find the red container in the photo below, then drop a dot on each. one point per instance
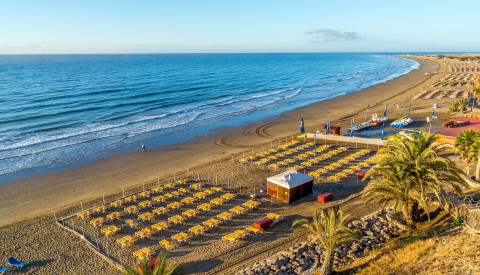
(324, 197)
(361, 174)
(263, 223)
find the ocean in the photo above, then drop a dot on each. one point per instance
(59, 110)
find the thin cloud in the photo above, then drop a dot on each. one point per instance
(321, 35)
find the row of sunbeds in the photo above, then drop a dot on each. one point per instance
(241, 234)
(312, 161)
(134, 198)
(157, 211)
(173, 220)
(196, 230)
(270, 151)
(352, 169)
(290, 156)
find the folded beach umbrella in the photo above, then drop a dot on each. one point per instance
(302, 126)
(328, 126)
(383, 128)
(351, 128)
(433, 109)
(409, 107)
(385, 112)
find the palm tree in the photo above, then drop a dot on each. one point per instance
(160, 267)
(408, 168)
(454, 107)
(331, 229)
(464, 142)
(462, 104)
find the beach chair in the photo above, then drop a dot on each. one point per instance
(97, 222)
(159, 198)
(241, 233)
(253, 229)
(177, 238)
(16, 263)
(148, 232)
(122, 241)
(147, 251)
(228, 238)
(131, 223)
(200, 229)
(131, 209)
(85, 214)
(275, 217)
(166, 244)
(233, 237)
(4, 269)
(156, 227)
(140, 234)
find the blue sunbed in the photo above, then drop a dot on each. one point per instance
(14, 262)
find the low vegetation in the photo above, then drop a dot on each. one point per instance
(160, 267)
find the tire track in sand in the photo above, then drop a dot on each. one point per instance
(228, 141)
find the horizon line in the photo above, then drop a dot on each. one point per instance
(154, 53)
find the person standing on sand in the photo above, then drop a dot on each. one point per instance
(143, 147)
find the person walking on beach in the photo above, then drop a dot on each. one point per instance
(143, 147)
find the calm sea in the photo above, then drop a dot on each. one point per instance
(64, 109)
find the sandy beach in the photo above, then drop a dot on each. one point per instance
(27, 205)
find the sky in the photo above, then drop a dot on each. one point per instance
(237, 26)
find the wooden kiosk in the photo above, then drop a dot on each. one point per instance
(290, 186)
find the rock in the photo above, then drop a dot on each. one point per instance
(299, 250)
(352, 255)
(299, 270)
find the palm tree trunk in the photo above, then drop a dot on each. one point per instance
(327, 265)
(407, 215)
(477, 171)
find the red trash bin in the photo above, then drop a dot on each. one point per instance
(324, 197)
(361, 174)
(263, 223)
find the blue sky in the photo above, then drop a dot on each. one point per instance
(117, 26)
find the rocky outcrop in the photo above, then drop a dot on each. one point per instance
(377, 228)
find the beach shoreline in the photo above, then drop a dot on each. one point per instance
(45, 193)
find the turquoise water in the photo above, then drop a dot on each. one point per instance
(64, 109)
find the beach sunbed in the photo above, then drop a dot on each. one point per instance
(253, 229)
(14, 262)
(166, 244)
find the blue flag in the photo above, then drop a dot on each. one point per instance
(351, 128)
(302, 126)
(409, 107)
(383, 128)
(385, 112)
(328, 126)
(366, 115)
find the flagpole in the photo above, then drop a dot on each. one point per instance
(366, 115)
(351, 128)
(409, 107)
(383, 127)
